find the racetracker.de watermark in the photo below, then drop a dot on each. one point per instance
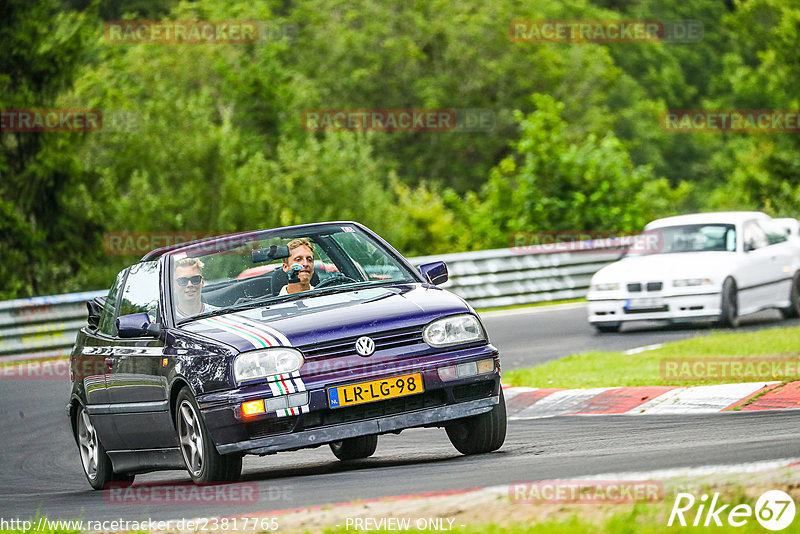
(585, 491)
(196, 31)
(61, 369)
(586, 241)
(191, 494)
(398, 120)
(139, 243)
(730, 121)
(605, 31)
(740, 369)
(51, 120)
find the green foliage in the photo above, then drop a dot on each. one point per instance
(557, 181)
(42, 230)
(208, 137)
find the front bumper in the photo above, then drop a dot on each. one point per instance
(316, 422)
(687, 307)
(320, 436)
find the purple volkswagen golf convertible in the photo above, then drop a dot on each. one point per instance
(276, 340)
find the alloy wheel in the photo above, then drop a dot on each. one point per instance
(87, 443)
(191, 437)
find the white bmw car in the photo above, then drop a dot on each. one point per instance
(709, 266)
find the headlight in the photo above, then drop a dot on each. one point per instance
(453, 331)
(604, 287)
(255, 364)
(686, 282)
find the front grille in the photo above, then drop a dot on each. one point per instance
(429, 399)
(268, 427)
(654, 286)
(347, 346)
(634, 288)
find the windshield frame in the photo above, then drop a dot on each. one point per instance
(220, 244)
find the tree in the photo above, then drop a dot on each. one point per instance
(555, 181)
(42, 232)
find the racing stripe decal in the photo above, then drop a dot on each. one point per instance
(215, 323)
(258, 329)
(262, 336)
(262, 341)
(277, 336)
(300, 386)
(277, 391)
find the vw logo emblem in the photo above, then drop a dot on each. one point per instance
(365, 346)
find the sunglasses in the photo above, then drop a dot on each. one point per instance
(184, 280)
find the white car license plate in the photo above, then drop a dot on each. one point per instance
(642, 304)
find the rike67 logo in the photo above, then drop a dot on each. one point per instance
(774, 510)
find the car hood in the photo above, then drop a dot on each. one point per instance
(330, 317)
(656, 267)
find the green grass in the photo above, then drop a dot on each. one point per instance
(601, 369)
(531, 305)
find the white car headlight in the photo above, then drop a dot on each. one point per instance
(604, 287)
(255, 364)
(453, 331)
(686, 282)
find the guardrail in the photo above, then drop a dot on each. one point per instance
(503, 277)
(45, 327)
(42, 327)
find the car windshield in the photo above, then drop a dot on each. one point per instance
(685, 238)
(264, 267)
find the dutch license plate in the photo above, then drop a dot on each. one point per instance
(387, 388)
(643, 304)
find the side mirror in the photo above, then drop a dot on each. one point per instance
(435, 273)
(749, 246)
(137, 325)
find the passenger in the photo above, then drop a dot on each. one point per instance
(301, 252)
(188, 289)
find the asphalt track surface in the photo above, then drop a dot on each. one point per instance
(41, 472)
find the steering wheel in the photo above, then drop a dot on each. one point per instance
(334, 280)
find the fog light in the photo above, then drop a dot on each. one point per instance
(463, 370)
(253, 408)
(446, 374)
(466, 369)
(276, 404)
(485, 366)
(298, 399)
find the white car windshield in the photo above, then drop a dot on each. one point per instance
(687, 238)
(272, 266)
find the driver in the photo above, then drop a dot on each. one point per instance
(188, 288)
(301, 252)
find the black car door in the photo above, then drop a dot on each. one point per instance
(93, 363)
(137, 386)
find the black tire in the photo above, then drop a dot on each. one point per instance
(355, 448)
(481, 433)
(96, 463)
(729, 308)
(204, 464)
(793, 311)
(607, 328)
